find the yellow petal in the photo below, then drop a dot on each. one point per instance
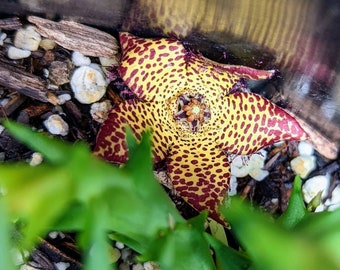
(111, 140)
(200, 174)
(154, 69)
(253, 122)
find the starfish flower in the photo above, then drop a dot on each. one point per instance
(196, 116)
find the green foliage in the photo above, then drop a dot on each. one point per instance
(74, 191)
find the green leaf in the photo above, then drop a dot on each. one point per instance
(228, 258)
(183, 247)
(323, 229)
(6, 261)
(271, 246)
(296, 209)
(37, 196)
(94, 238)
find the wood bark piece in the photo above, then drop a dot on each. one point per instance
(15, 79)
(77, 37)
(13, 104)
(323, 145)
(10, 24)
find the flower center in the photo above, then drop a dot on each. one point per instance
(192, 111)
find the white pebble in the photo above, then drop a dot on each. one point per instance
(88, 84)
(46, 72)
(47, 44)
(334, 202)
(56, 125)
(241, 166)
(36, 159)
(303, 165)
(119, 245)
(232, 189)
(63, 98)
(79, 59)
(15, 53)
(27, 38)
(258, 174)
(61, 265)
(138, 266)
(149, 266)
(305, 149)
(108, 62)
(315, 185)
(4, 101)
(53, 235)
(3, 36)
(2, 128)
(100, 110)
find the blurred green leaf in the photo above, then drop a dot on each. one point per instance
(37, 196)
(296, 209)
(6, 247)
(181, 247)
(228, 258)
(94, 239)
(271, 246)
(323, 230)
(78, 192)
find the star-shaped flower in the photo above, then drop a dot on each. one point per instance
(196, 116)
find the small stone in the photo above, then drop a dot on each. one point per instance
(109, 62)
(334, 202)
(15, 53)
(232, 189)
(258, 174)
(100, 110)
(56, 125)
(27, 38)
(88, 84)
(119, 245)
(53, 235)
(124, 266)
(150, 266)
(138, 266)
(303, 165)
(59, 72)
(79, 59)
(241, 166)
(4, 101)
(63, 98)
(62, 265)
(47, 44)
(3, 36)
(315, 185)
(36, 159)
(46, 73)
(305, 149)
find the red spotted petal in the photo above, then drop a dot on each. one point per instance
(154, 69)
(159, 68)
(218, 79)
(200, 176)
(253, 122)
(111, 140)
